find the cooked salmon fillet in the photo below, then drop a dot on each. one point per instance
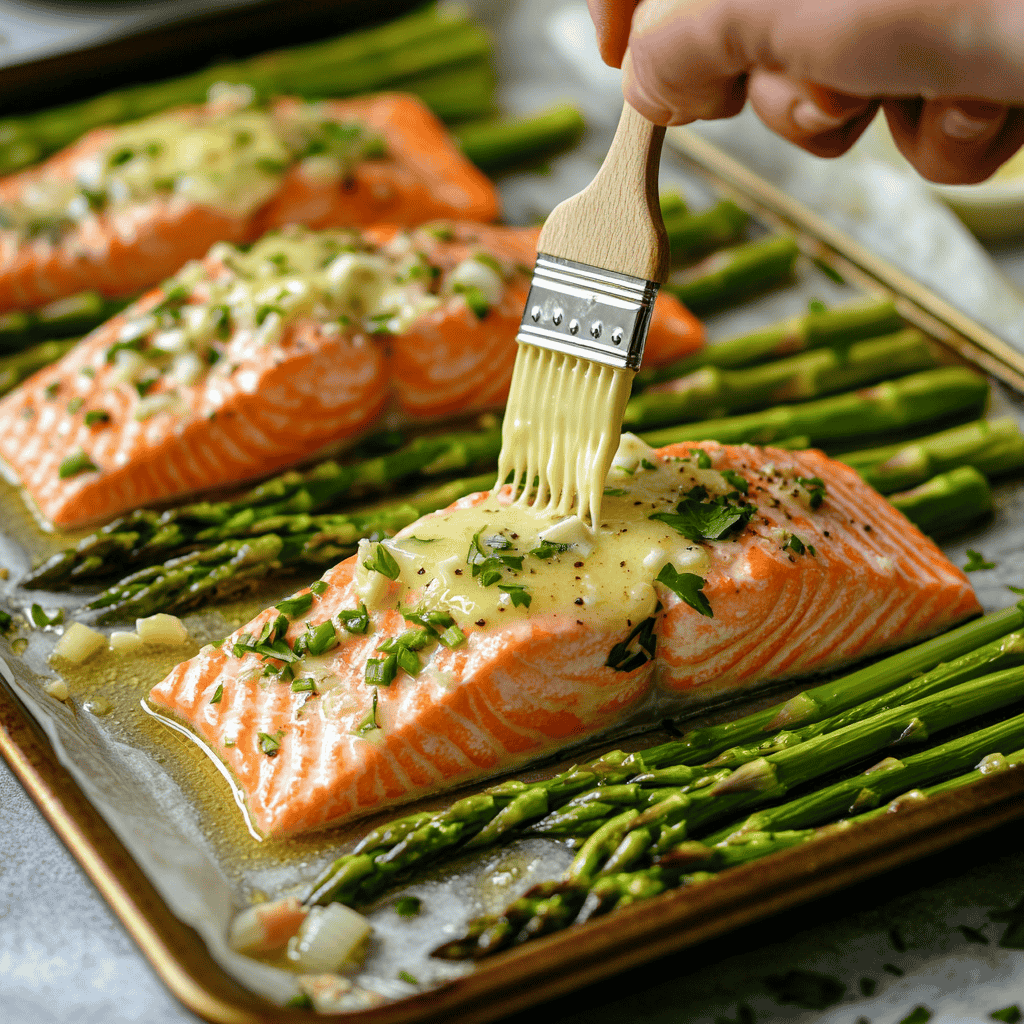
(124, 207)
(253, 360)
(608, 636)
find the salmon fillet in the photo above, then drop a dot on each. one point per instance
(332, 732)
(251, 361)
(116, 213)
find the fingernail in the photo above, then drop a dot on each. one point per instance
(809, 117)
(957, 125)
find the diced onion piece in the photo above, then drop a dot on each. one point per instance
(471, 273)
(266, 926)
(329, 937)
(164, 629)
(572, 531)
(123, 642)
(58, 689)
(79, 643)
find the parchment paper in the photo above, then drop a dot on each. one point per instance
(545, 55)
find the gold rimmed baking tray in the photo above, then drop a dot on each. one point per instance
(519, 978)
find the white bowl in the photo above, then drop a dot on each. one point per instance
(993, 210)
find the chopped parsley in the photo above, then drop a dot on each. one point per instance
(77, 462)
(636, 650)
(75, 404)
(519, 594)
(1008, 1014)
(976, 562)
(703, 459)
(475, 299)
(383, 561)
(797, 546)
(699, 519)
(734, 479)
(305, 685)
(318, 588)
(687, 586)
(408, 906)
(217, 694)
(547, 550)
(51, 390)
(5, 621)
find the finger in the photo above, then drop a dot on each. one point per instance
(955, 142)
(612, 20)
(822, 121)
(688, 55)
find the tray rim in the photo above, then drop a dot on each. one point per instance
(554, 965)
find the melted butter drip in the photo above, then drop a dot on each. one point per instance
(561, 430)
(604, 575)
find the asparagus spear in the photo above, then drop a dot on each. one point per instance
(693, 234)
(73, 315)
(993, 447)
(19, 366)
(537, 911)
(145, 536)
(265, 546)
(910, 401)
(504, 142)
(711, 391)
(815, 329)
(731, 274)
(947, 503)
(424, 41)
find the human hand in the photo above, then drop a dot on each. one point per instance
(949, 76)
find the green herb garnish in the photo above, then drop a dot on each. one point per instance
(1008, 1014)
(687, 586)
(318, 588)
(75, 404)
(217, 694)
(270, 745)
(94, 416)
(51, 390)
(381, 671)
(701, 520)
(354, 620)
(615, 492)
(77, 462)
(452, 637)
(546, 549)
(919, 1015)
(636, 650)
(703, 459)
(475, 299)
(305, 685)
(737, 481)
(519, 594)
(815, 488)
(976, 562)
(293, 606)
(41, 619)
(383, 561)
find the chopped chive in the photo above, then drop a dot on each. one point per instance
(615, 492)
(381, 671)
(5, 621)
(77, 462)
(305, 685)
(51, 390)
(703, 459)
(75, 404)
(318, 588)
(647, 464)
(795, 544)
(815, 488)
(94, 416)
(293, 606)
(452, 637)
(475, 299)
(217, 694)
(41, 619)
(737, 481)
(321, 639)
(270, 745)
(406, 976)
(408, 661)
(408, 906)
(355, 620)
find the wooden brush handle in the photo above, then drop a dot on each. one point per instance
(615, 222)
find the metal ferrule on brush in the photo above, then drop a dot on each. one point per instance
(583, 311)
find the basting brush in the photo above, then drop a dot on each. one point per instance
(602, 255)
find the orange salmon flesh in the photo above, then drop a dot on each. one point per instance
(518, 691)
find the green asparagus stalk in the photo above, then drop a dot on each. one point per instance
(882, 782)
(415, 45)
(464, 92)
(700, 745)
(693, 234)
(548, 906)
(947, 503)
(145, 537)
(731, 274)
(504, 142)
(64, 318)
(992, 447)
(266, 545)
(907, 402)
(825, 371)
(672, 204)
(815, 329)
(19, 366)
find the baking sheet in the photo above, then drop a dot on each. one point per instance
(176, 816)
